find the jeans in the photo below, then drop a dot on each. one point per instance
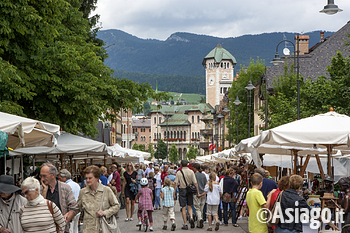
(205, 211)
(220, 211)
(157, 199)
(233, 212)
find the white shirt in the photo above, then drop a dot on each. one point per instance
(213, 198)
(75, 188)
(159, 180)
(206, 175)
(110, 177)
(148, 170)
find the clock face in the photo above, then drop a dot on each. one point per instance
(211, 80)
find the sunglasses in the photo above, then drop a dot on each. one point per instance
(28, 190)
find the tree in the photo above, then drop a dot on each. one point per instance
(192, 153)
(151, 151)
(161, 151)
(135, 146)
(142, 147)
(240, 84)
(173, 154)
(50, 70)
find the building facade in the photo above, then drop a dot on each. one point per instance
(142, 130)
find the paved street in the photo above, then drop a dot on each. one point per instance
(158, 223)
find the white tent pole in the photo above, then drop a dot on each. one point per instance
(22, 175)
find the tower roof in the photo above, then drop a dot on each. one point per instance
(219, 54)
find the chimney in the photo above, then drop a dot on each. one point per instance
(321, 36)
(303, 44)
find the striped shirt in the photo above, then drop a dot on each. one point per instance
(39, 219)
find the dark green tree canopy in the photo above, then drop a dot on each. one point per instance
(51, 72)
(173, 154)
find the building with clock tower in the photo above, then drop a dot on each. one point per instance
(219, 66)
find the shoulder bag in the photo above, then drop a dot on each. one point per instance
(269, 218)
(108, 225)
(49, 204)
(190, 188)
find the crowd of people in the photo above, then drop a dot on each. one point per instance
(53, 202)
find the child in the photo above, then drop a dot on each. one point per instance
(145, 202)
(168, 194)
(256, 201)
(213, 192)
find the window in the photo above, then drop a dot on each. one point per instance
(171, 134)
(185, 135)
(133, 130)
(181, 135)
(150, 138)
(160, 120)
(174, 134)
(124, 129)
(220, 90)
(192, 135)
(149, 129)
(155, 135)
(197, 119)
(225, 89)
(192, 119)
(155, 120)
(165, 133)
(228, 65)
(178, 134)
(160, 135)
(142, 130)
(136, 138)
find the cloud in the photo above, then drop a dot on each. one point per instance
(158, 19)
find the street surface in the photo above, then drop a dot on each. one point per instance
(158, 223)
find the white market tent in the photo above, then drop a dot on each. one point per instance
(124, 155)
(25, 132)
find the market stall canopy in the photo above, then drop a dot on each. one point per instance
(67, 144)
(127, 155)
(320, 134)
(25, 132)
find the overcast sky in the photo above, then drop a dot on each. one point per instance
(158, 19)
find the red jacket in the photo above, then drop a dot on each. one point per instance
(163, 175)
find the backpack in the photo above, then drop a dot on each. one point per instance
(151, 184)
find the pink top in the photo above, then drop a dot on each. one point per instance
(145, 199)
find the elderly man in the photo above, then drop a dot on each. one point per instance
(10, 204)
(164, 172)
(59, 193)
(65, 176)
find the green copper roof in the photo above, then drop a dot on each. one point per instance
(177, 119)
(219, 54)
(174, 109)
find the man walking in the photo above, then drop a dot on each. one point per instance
(199, 202)
(10, 204)
(186, 198)
(65, 176)
(59, 193)
(149, 169)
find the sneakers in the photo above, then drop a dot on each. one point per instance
(139, 224)
(184, 227)
(151, 229)
(209, 229)
(164, 227)
(217, 226)
(201, 225)
(192, 223)
(173, 226)
(206, 222)
(240, 217)
(221, 223)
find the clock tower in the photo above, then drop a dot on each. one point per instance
(219, 65)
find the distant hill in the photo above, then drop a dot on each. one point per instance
(181, 56)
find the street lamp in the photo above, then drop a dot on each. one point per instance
(220, 116)
(167, 138)
(277, 61)
(213, 123)
(250, 87)
(330, 8)
(227, 111)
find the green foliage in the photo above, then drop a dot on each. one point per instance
(242, 109)
(135, 147)
(151, 151)
(192, 153)
(51, 72)
(142, 147)
(315, 96)
(173, 154)
(161, 151)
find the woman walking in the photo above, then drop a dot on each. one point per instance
(90, 199)
(130, 176)
(158, 178)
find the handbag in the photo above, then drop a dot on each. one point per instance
(270, 213)
(228, 198)
(189, 188)
(49, 204)
(108, 225)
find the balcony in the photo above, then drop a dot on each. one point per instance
(206, 132)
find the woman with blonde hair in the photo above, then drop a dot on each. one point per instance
(213, 191)
(130, 176)
(92, 197)
(39, 214)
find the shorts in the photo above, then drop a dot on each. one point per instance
(184, 198)
(212, 210)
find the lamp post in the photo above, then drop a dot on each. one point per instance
(250, 87)
(330, 8)
(220, 116)
(227, 111)
(167, 139)
(277, 60)
(213, 123)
